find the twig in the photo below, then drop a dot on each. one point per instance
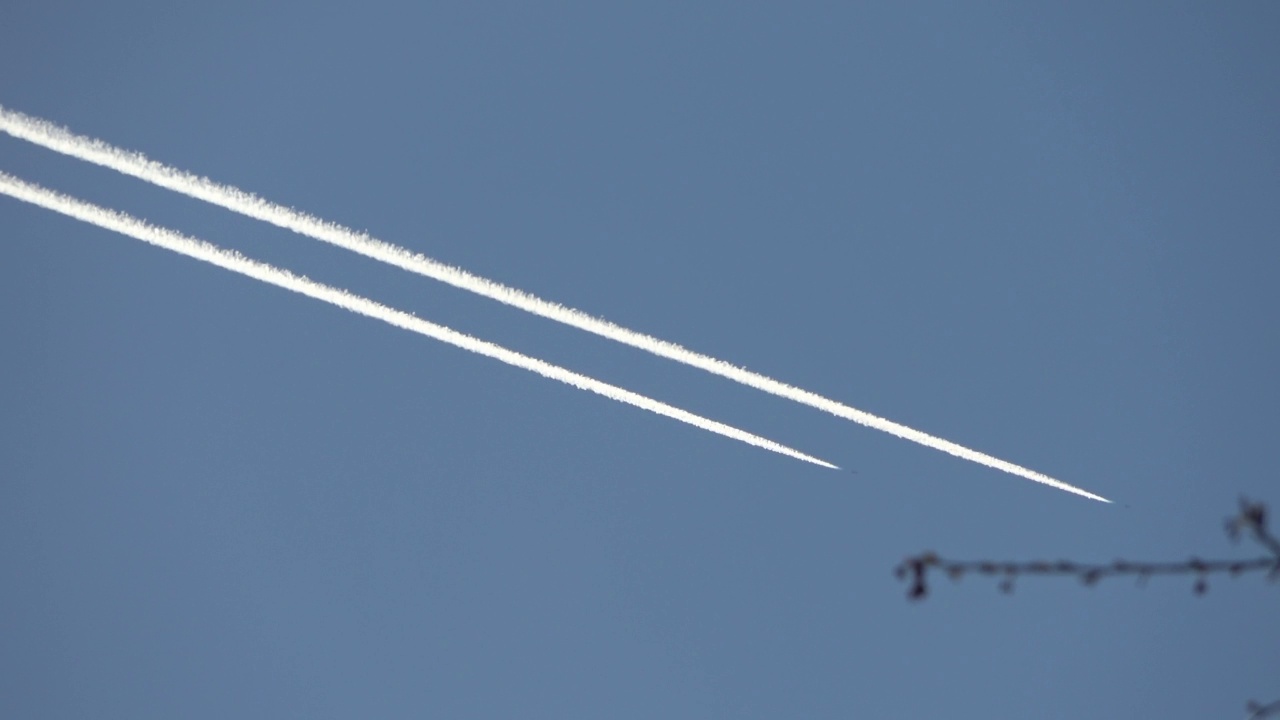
(1252, 519)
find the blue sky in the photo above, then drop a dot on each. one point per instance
(1044, 232)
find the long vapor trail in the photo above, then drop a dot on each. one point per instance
(235, 262)
(95, 151)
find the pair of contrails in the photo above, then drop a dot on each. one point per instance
(60, 140)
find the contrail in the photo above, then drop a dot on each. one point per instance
(95, 151)
(235, 262)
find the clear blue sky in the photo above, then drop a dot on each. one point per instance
(1046, 232)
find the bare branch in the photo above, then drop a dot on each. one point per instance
(1252, 520)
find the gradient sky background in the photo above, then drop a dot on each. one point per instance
(1046, 232)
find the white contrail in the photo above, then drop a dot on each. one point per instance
(235, 262)
(61, 140)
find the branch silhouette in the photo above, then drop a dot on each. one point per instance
(1251, 521)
